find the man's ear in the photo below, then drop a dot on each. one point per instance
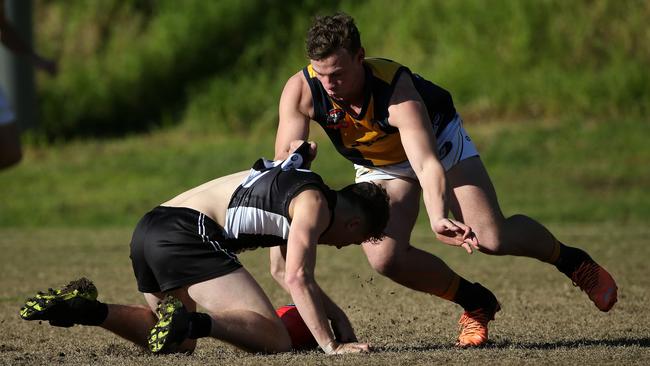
(361, 54)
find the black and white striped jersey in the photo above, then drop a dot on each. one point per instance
(258, 213)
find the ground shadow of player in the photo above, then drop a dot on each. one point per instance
(643, 342)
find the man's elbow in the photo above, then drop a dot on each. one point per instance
(297, 280)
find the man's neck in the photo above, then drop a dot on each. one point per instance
(354, 102)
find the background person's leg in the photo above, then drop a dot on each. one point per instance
(10, 147)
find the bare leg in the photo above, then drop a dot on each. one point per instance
(10, 149)
(241, 313)
(131, 322)
(474, 202)
(394, 256)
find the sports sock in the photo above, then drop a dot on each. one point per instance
(452, 289)
(87, 312)
(555, 254)
(200, 325)
(570, 259)
(472, 296)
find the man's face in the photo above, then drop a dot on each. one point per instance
(344, 236)
(341, 74)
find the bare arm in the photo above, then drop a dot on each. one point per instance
(278, 263)
(294, 111)
(343, 330)
(408, 113)
(310, 218)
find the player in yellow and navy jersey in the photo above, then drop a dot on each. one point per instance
(402, 132)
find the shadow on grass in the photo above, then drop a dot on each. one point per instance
(579, 343)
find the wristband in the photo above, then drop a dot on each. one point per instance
(329, 347)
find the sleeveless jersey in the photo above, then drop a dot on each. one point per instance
(368, 138)
(258, 213)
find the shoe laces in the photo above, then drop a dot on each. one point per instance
(586, 276)
(474, 322)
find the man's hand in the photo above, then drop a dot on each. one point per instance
(452, 232)
(311, 155)
(343, 348)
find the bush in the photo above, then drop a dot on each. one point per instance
(132, 65)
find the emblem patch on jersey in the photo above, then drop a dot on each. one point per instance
(336, 119)
(444, 150)
(437, 118)
(293, 162)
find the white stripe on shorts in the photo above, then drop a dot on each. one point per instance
(215, 244)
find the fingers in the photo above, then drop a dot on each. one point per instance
(456, 233)
(353, 348)
(472, 240)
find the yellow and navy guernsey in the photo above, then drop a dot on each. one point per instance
(368, 138)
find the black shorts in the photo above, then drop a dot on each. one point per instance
(176, 246)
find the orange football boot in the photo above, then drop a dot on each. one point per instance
(597, 283)
(474, 327)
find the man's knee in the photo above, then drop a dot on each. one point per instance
(387, 263)
(490, 239)
(500, 238)
(280, 341)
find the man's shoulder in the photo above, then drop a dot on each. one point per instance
(311, 195)
(384, 69)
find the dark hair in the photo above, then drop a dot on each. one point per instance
(372, 202)
(328, 34)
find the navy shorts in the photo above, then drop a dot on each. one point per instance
(174, 247)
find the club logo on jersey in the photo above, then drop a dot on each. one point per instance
(435, 122)
(444, 150)
(336, 119)
(293, 162)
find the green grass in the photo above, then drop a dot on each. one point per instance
(545, 320)
(570, 170)
(69, 210)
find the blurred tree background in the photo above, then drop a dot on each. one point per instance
(219, 66)
(156, 96)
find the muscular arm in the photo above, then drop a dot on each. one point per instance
(341, 325)
(294, 111)
(311, 217)
(408, 113)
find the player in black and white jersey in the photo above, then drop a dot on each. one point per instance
(184, 254)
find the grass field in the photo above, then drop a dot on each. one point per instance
(544, 318)
(68, 211)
